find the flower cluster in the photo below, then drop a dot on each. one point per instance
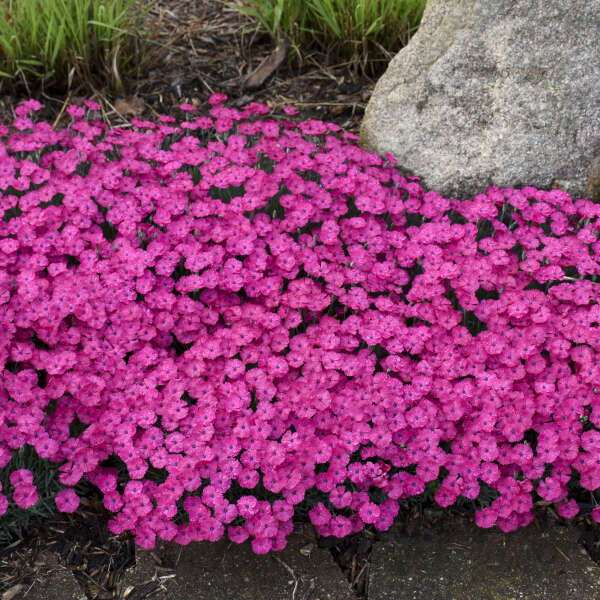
(25, 493)
(241, 301)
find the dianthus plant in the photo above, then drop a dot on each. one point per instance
(238, 301)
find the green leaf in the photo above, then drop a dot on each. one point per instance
(376, 26)
(108, 26)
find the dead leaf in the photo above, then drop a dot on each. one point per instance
(268, 66)
(131, 106)
(11, 592)
(207, 39)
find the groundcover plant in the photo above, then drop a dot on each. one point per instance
(216, 320)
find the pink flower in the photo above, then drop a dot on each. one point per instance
(217, 99)
(145, 538)
(172, 320)
(212, 529)
(3, 504)
(568, 509)
(112, 501)
(369, 512)
(23, 123)
(445, 496)
(550, 489)
(25, 496)
(319, 515)
(261, 545)
(341, 526)
(75, 112)
(237, 534)
(21, 477)
(282, 510)
(247, 506)
(509, 523)
(26, 107)
(91, 104)
(67, 501)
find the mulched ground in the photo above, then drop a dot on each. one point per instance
(210, 49)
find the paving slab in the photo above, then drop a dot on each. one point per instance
(227, 571)
(460, 561)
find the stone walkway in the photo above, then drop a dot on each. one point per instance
(228, 571)
(451, 561)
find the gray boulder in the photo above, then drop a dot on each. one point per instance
(502, 92)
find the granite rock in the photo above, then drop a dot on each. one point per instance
(500, 93)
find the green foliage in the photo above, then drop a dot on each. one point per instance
(278, 17)
(45, 477)
(56, 41)
(346, 29)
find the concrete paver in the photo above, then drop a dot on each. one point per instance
(227, 571)
(464, 562)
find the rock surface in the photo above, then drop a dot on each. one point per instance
(464, 562)
(500, 93)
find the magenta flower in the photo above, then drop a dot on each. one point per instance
(25, 496)
(26, 107)
(21, 477)
(237, 534)
(216, 99)
(67, 501)
(75, 111)
(91, 104)
(568, 509)
(261, 545)
(145, 538)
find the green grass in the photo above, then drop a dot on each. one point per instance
(356, 30)
(57, 42)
